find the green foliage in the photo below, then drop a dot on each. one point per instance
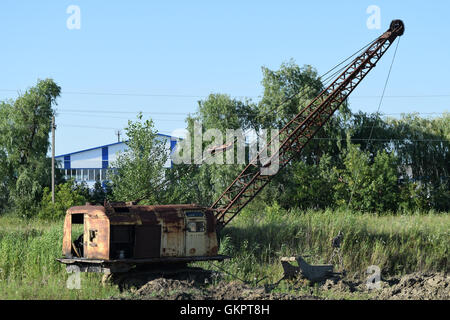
(365, 186)
(284, 85)
(403, 166)
(29, 270)
(82, 189)
(440, 196)
(25, 124)
(363, 126)
(140, 168)
(26, 193)
(100, 192)
(66, 195)
(315, 184)
(286, 92)
(219, 111)
(397, 164)
(5, 180)
(201, 183)
(423, 147)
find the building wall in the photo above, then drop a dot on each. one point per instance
(87, 159)
(91, 165)
(114, 150)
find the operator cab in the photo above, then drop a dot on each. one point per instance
(120, 231)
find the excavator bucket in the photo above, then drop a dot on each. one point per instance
(314, 273)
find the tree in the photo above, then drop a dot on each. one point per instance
(397, 162)
(100, 192)
(423, 149)
(286, 92)
(371, 133)
(66, 195)
(365, 185)
(199, 181)
(141, 167)
(315, 184)
(5, 180)
(25, 124)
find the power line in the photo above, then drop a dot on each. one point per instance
(186, 113)
(171, 95)
(98, 114)
(100, 128)
(113, 117)
(82, 126)
(379, 139)
(126, 112)
(334, 139)
(412, 112)
(408, 96)
(120, 94)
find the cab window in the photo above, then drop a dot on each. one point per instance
(196, 226)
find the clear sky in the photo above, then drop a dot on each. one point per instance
(161, 57)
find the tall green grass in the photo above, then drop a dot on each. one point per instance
(256, 240)
(28, 269)
(398, 244)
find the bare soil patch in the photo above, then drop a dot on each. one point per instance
(416, 286)
(172, 289)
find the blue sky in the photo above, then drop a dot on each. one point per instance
(162, 57)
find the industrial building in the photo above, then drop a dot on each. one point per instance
(90, 165)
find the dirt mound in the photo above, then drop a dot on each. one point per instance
(415, 286)
(238, 291)
(170, 289)
(418, 287)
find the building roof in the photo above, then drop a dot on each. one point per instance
(106, 145)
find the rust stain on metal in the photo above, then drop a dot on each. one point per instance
(111, 231)
(213, 251)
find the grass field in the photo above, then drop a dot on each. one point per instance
(398, 244)
(28, 249)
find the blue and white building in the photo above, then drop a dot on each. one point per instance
(90, 165)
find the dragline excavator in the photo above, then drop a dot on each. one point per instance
(119, 237)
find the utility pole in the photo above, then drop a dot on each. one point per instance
(53, 159)
(118, 135)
